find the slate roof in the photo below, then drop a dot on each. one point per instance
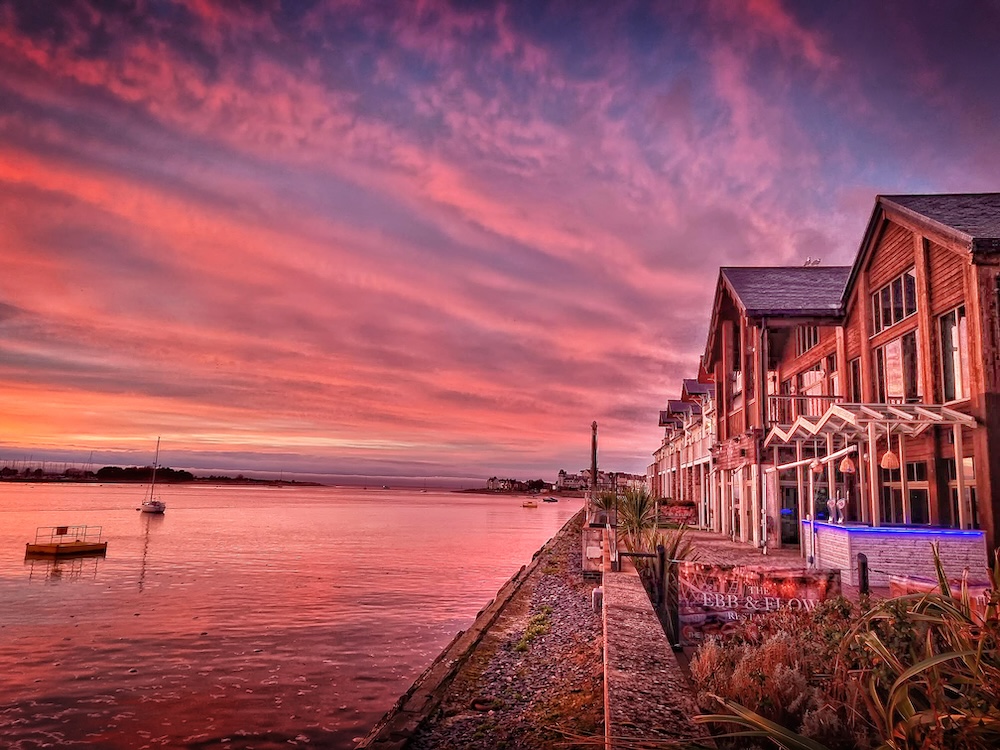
(677, 406)
(974, 215)
(696, 388)
(667, 419)
(788, 290)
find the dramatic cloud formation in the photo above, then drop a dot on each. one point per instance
(432, 239)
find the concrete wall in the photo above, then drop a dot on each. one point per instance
(647, 696)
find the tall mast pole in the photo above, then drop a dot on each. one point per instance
(593, 461)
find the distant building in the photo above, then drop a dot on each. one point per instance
(581, 480)
(682, 465)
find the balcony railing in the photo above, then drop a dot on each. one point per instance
(786, 409)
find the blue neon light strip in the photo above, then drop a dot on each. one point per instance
(925, 531)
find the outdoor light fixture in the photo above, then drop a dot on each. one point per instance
(847, 466)
(889, 460)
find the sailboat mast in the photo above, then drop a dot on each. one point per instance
(156, 460)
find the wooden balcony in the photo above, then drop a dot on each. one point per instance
(784, 410)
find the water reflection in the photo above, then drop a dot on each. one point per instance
(49, 569)
(148, 520)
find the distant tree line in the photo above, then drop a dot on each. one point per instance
(164, 474)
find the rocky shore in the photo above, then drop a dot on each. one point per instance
(536, 676)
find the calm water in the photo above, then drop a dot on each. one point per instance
(243, 617)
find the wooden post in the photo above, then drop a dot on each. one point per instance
(799, 490)
(831, 479)
(963, 519)
(924, 328)
(862, 485)
(843, 370)
(873, 475)
(864, 317)
(904, 482)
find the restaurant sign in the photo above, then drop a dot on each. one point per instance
(712, 599)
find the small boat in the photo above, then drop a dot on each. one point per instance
(529, 504)
(550, 499)
(63, 541)
(153, 504)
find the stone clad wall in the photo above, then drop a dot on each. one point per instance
(899, 552)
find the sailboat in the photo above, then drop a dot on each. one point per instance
(152, 504)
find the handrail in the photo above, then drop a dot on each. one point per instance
(785, 408)
(78, 533)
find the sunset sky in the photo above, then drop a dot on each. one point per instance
(430, 238)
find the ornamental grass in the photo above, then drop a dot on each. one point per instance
(916, 672)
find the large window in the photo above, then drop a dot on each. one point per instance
(916, 509)
(954, 355)
(855, 385)
(897, 371)
(894, 302)
(971, 504)
(806, 337)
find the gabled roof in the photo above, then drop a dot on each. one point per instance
(967, 221)
(778, 292)
(973, 218)
(676, 411)
(787, 290)
(693, 387)
(683, 407)
(669, 419)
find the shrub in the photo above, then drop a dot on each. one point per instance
(918, 671)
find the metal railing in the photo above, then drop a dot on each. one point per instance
(785, 409)
(61, 534)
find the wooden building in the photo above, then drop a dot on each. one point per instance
(682, 465)
(866, 397)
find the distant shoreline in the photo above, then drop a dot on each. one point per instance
(224, 481)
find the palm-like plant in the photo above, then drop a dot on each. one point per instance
(933, 673)
(637, 519)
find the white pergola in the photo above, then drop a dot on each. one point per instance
(846, 428)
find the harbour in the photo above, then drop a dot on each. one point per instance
(247, 616)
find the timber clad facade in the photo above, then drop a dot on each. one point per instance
(820, 372)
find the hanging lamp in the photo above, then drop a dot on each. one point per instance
(847, 465)
(889, 459)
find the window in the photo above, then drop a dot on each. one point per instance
(954, 355)
(971, 504)
(810, 382)
(855, 384)
(832, 375)
(737, 360)
(806, 337)
(897, 371)
(894, 302)
(916, 509)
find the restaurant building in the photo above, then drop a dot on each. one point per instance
(857, 407)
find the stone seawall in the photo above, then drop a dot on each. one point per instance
(419, 707)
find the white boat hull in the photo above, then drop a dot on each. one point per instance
(153, 506)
